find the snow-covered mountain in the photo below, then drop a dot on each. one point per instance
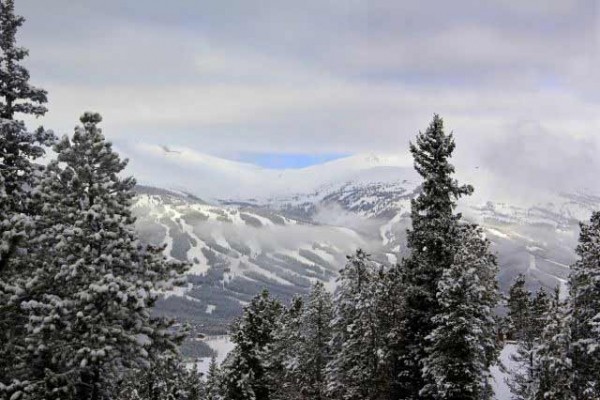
(235, 251)
(297, 226)
(215, 178)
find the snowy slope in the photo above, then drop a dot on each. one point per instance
(221, 345)
(215, 178)
(235, 251)
(284, 229)
(238, 248)
(501, 372)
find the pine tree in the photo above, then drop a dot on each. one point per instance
(389, 294)
(91, 297)
(354, 371)
(519, 307)
(552, 354)
(528, 318)
(212, 387)
(523, 381)
(166, 378)
(463, 344)
(539, 309)
(584, 310)
(283, 361)
(245, 374)
(193, 386)
(18, 147)
(19, 150)
(313, 351)
(432, 244)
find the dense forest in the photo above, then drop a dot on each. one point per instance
(77, 287)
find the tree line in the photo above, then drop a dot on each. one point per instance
(77, 289)
(425, 328)
(558, 339)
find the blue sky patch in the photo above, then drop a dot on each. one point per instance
(288, 160)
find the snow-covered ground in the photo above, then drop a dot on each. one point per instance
(221, 345)
(500, 386)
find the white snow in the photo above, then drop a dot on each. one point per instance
(200, 267)
(324, 255)
(231, 179)
(221, 345)
(295, 255)
(499, 383)
(496, 232)
(386, 230)
(392, 258)
(533, 249)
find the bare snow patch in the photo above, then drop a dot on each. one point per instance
(501, 375)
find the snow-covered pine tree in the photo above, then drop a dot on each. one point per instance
(19, 150)
(584, 311)
(552, 354)
(354, 371)
(523, 381)
(539, 308)
(389, 294)
(166, 378)
(528, 318)
(212, 386)
(245, 370)
(463, 344)
(432, 244)
(193, 386)
(282, 361)
(91, 297)
(519, 308)
(313, 350)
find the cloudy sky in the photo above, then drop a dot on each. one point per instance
(290, 83)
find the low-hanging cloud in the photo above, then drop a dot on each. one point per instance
(536, 159)
(331, 77)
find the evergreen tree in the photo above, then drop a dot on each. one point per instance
(523, 381)
(463, 344)
(519, 307)
(19, 149)
(540, 304)
(245, 375)
(552, 354)
(91, 295)
(313, 350)
(432, 244)
(212, 387)
(354, 371)
(166, 378)
(390, 297)
(192, 387)
(283, 360)
(528, 317)
(584, 284)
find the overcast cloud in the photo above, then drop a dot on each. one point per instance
(517, 81)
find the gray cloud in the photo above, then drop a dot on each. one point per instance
(332, 76)
(544, 160)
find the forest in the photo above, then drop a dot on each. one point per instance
(77, 288)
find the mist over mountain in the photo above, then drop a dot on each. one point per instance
(245, 227)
